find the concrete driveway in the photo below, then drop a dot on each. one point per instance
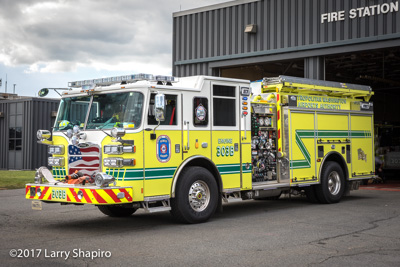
(362, 230)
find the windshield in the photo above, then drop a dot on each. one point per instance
(72, 112)
(107, 111)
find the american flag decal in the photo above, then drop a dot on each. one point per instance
(84, 159)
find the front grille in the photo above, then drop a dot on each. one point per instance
(85, 159)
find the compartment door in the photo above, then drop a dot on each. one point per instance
(302, 147)
(362, 146)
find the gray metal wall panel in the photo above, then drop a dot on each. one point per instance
(36, 115)
(3, 136)
(281, 24)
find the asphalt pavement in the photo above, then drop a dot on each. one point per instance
(362, 230)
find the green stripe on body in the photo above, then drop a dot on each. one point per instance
(228, 169)
(138, 174)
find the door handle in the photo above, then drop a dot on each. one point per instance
(187, 123)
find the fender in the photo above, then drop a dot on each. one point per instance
(188, 162)
(342, 163)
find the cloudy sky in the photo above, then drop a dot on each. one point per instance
(47, 43)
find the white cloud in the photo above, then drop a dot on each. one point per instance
(60, 36)
(48, 43)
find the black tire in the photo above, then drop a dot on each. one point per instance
(332, 186)
(311, 194)
(198, 184)
(116, 211)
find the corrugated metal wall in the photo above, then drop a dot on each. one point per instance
(3, 135)
(281, 24)
(36, 115)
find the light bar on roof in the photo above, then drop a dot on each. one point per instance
(160, 78)
(125, 78)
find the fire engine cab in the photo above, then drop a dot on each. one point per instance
(158, 143)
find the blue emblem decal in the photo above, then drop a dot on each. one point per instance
(163, 148)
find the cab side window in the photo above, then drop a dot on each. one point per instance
(224, 98)
(170, 111)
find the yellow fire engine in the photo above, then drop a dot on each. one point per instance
(159, 143)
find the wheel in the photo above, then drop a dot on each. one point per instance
(332, 186)
(116, 211)
(311, 194)
(196, 197)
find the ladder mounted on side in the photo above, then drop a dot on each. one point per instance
(288, 84)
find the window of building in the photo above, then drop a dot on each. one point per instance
(15, 138)
(170, 111)
(200, 111)
(224, 105)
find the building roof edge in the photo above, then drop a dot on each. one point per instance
(212, 7)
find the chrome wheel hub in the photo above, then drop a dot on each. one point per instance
(199, 196)
(334, 183)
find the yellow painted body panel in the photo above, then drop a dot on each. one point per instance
(362, 153)
(159, 174)
(128, 176)
(61, 172)
(303, 169)
(332, 122)
(226, 158)
(199, 137)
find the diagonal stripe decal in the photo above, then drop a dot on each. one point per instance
(305, 134)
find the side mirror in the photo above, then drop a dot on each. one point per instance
(159, 107)
(43, 92)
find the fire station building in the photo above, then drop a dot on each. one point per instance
(350, 41)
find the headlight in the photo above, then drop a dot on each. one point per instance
(43, 134)
(118, 150)
(103, 179)
(117, 132)
(56, 150)
(118, 162)
(52, 161)
(112, 162)
(113, 150)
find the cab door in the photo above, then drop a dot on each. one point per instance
(226, 132)
(162, 150)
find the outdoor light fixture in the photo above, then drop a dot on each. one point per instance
(251, 28)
